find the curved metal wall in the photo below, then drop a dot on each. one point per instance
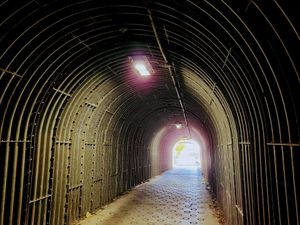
(77, 125)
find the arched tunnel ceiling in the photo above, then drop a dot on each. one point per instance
(60, 45)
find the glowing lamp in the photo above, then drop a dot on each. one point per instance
(141, 68)
(178, 125)
(141, 65)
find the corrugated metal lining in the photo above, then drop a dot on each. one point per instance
(78, 127)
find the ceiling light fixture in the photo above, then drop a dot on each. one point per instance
(141, 68)
(141, 65)
(178, 125)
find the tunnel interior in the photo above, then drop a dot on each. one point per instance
(79, 126)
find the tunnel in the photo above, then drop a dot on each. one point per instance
(80, 126)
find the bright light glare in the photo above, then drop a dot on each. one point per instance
(186, 153)
(178, 125)
(142, 69)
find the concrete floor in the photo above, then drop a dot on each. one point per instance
(176, 197)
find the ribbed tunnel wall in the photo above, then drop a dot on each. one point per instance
(79, 127)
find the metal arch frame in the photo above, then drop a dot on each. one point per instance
(247, 124)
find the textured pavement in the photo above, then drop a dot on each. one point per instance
(177, 196)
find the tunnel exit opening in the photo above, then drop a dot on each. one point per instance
(186, 153)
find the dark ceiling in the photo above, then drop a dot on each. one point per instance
(244, 51)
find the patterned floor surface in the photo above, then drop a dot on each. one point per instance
(178, 196)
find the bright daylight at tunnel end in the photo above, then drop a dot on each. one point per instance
(98, 97)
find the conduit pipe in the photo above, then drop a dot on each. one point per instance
(172, 74)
